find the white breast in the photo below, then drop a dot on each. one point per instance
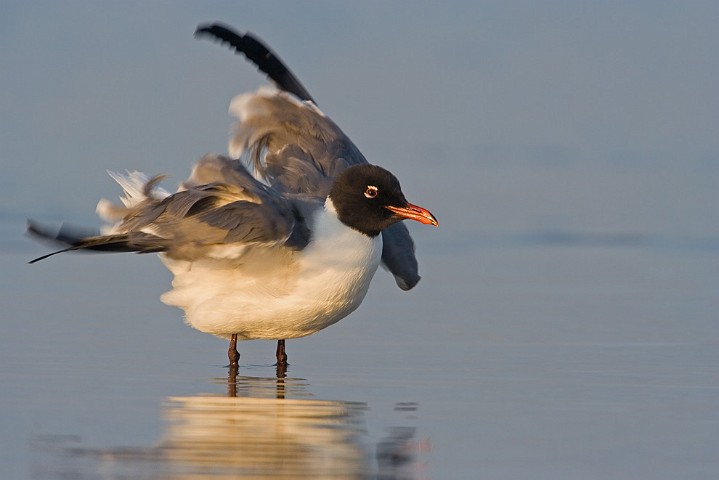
(276, 293)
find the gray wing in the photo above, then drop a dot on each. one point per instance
(296, 149)
(231, 209)
(290, 145)
(398, 256)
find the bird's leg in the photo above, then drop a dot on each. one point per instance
(281, 355)
(280, 386)
(281, 371)
(232, 381)
(232, 352)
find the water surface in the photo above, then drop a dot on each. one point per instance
(566, 324)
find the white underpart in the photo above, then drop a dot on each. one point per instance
(276, 293)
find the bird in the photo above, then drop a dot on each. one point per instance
(276, 241)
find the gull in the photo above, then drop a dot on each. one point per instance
(280, 239)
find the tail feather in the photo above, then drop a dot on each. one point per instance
(259, 54)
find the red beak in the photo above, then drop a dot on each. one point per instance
(414, 212)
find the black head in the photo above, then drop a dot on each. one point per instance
(369, 199)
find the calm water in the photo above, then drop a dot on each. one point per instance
(537, 354)
(567, 322)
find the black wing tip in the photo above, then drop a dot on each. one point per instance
(213, 29)
(257, 52)
(407, 283)
(35, 260)
(38, 231)
(220, 32)
(31, 227)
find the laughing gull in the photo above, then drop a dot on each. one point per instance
(279, 241)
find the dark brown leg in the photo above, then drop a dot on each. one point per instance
(281, 355)
(281, 374)
(232, 381)
(232, 352)
(280, 387)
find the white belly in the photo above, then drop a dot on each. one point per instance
(275, 293)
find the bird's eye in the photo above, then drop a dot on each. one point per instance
(371, 191)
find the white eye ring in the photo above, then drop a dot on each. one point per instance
(371, 191)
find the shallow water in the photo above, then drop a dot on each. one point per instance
(544, 359)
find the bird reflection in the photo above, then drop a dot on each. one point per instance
(233, 377)
(263, 437)
(264, 427)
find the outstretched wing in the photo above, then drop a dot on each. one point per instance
(296, 149)
(218, 218)
(290, 145)
(259, 54)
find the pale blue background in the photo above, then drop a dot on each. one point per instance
(566, 325)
